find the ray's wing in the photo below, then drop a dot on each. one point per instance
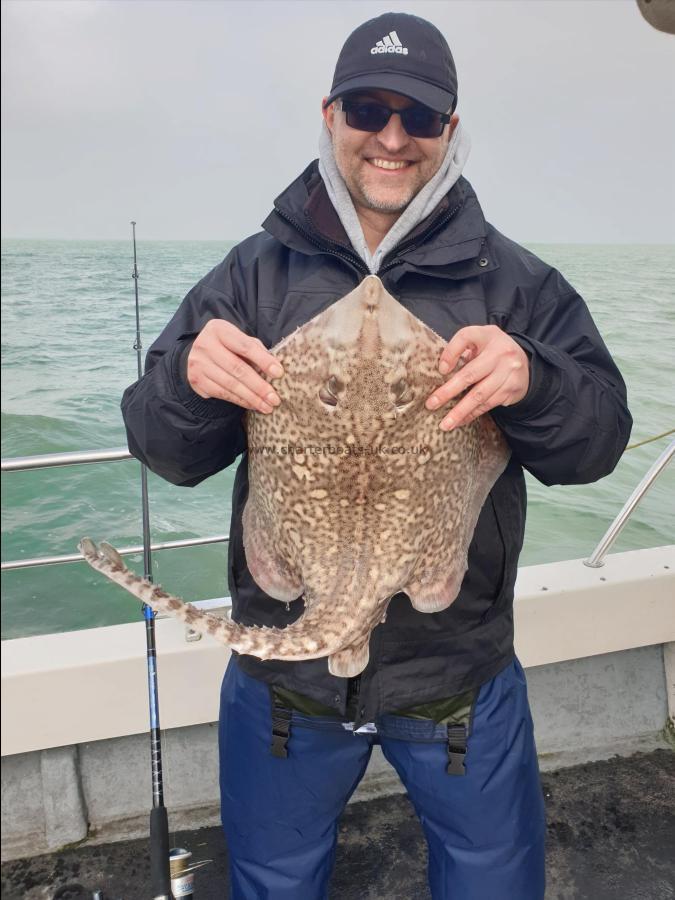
(269, 569)
(437, 585)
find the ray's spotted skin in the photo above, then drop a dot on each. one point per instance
(355, 493)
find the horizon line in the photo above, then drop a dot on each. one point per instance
(596, 243)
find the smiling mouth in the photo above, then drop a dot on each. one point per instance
(389, 165)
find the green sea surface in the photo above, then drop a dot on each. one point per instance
(67, 355)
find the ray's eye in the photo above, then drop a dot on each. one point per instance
(403, 393)
(326, 397)
(328, 394)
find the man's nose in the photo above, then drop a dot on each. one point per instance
(393, 136)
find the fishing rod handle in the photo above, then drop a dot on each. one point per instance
(160, 875)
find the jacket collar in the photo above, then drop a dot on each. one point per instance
(304, 219)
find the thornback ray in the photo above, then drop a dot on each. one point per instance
(355, 493)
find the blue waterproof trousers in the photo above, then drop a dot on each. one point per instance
(485, 829)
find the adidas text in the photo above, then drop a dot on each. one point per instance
(390, 43)
(380, 49)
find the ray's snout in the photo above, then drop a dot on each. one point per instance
(372, 303)
(372, 292)
(366, 320)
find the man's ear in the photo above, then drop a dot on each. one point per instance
(454, 121)
(328, 113)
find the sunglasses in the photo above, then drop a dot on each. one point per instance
(418, 121)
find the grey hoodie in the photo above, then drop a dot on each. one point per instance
(419, 207)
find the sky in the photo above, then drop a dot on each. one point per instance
(191, 117)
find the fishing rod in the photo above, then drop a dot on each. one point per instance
(160, 876)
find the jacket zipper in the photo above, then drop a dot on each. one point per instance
(412, 246)
(323, 245)
(353, 694)
(356, 260)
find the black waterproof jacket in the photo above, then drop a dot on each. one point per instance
(453, 270)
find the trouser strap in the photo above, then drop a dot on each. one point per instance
(456, 749)
(281, 727)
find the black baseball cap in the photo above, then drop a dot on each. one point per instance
(401, 53)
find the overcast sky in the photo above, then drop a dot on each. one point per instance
(191, 117)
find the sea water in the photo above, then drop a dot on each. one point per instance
(67, 353)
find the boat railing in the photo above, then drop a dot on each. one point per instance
(86, 457)
(596, 559)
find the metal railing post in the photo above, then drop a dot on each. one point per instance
(595, 560)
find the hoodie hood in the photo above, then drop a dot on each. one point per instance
(424, 202)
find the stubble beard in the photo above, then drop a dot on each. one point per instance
(363, 195)
(370, 201)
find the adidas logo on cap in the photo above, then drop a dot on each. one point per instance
(390, 43)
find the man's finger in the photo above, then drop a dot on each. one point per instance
(472, 338)
(479, 400)
(251, 349)
(237, 368)
(509, 392)
(234, 374)
(476, 370)
(211, 389)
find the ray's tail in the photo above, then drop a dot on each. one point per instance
(301, 640)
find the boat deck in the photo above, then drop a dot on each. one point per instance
(611, 833)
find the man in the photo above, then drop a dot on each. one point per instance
(443, 693)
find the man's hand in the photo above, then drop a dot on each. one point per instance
(495, 373)
(218, 366)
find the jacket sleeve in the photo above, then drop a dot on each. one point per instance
(175, 432)
(573, 424)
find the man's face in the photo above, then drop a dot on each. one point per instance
(360, 155)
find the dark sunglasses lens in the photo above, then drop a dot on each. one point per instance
(366, 116)
(419, 121)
